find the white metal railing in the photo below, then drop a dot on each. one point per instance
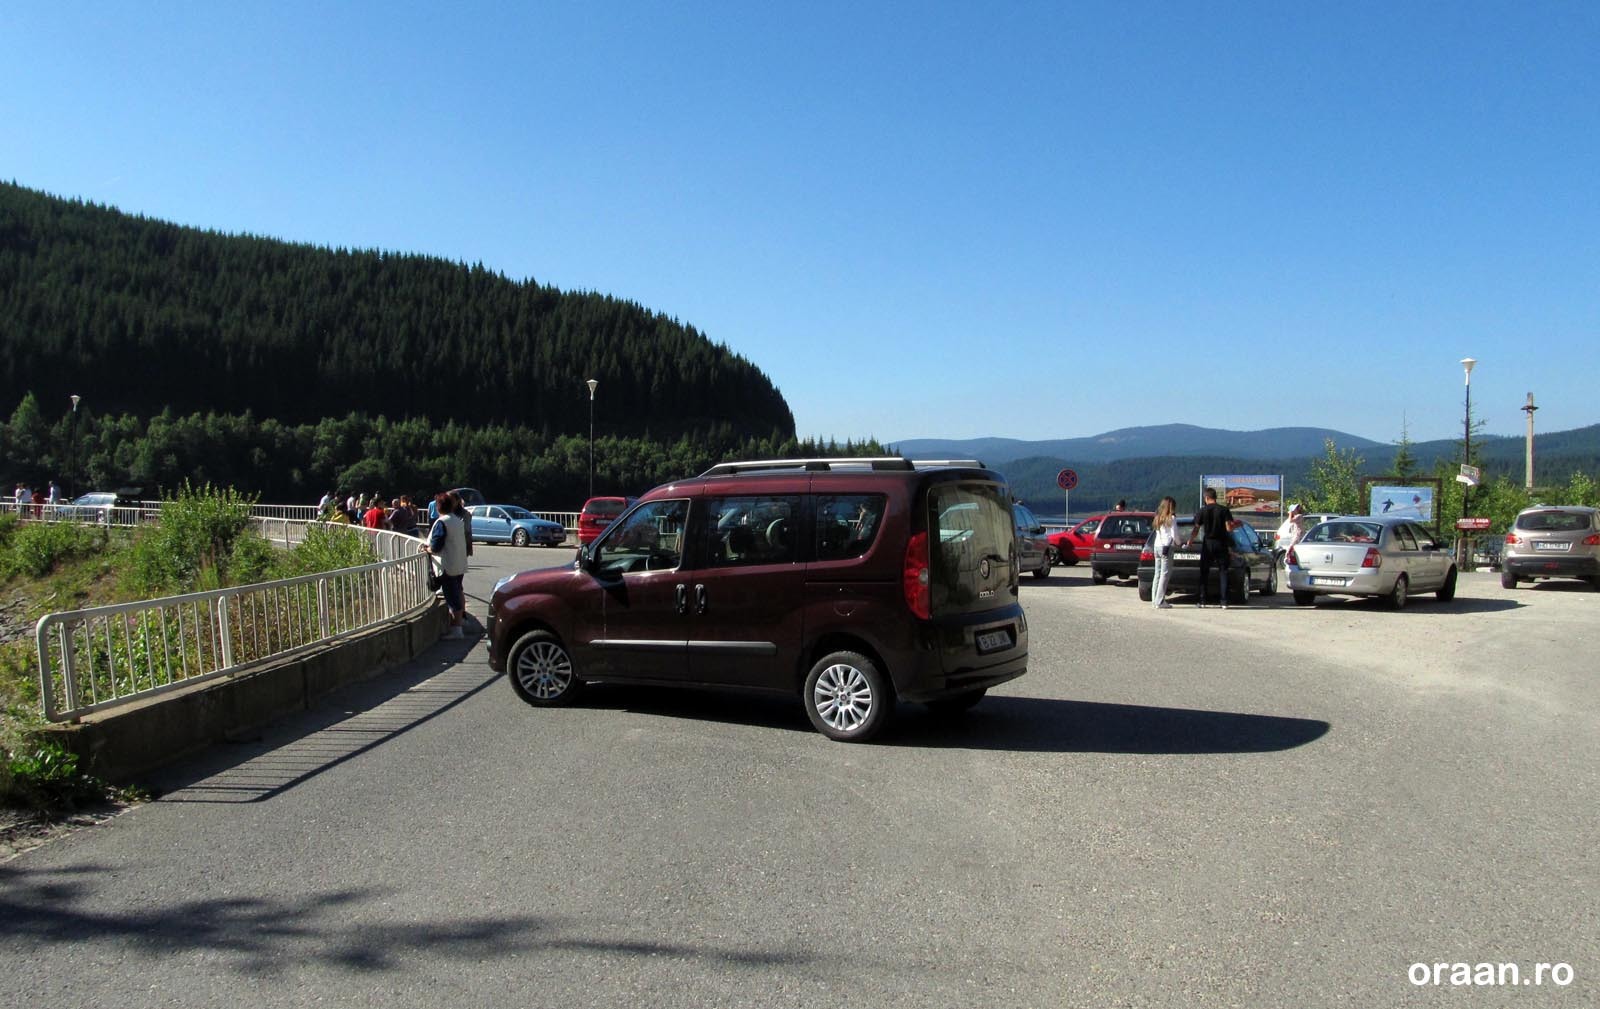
(104, 656)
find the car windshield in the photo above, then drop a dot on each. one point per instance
(1345, 531)
(1555, 522)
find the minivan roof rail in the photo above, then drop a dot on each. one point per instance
(824, 465)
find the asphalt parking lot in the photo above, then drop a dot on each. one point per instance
(1269, 805)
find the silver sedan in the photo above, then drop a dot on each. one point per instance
(1373, 555)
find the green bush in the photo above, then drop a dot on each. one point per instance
(36, 548)
(326, 548)
(192, 544)
(43, 774)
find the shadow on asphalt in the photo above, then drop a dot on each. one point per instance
(268, 936)
(346, 724)
(1019, 724)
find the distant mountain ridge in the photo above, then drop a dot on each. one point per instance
(1142, 464)
(1142, 442)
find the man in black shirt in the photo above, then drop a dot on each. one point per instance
(1213, 527)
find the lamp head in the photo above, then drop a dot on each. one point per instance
(591, 384)
(74, 401)
(1467, 363)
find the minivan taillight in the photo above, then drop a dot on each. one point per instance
(1146, 557)
(916, 577)
(1373, 559)
(1512, 540)
(1592, 540)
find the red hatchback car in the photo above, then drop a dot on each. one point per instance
(597, 513)
(1117, 545)
(1074, 545)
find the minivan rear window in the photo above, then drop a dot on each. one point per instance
(969, 523)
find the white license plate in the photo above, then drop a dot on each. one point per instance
(1552, 546)
(1128, 546)
(1186, 557)
(1330, 581)
(993, 641)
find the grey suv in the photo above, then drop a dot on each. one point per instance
(1552, 542)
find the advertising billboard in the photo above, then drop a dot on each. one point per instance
(1404, 501)
(1247, 495)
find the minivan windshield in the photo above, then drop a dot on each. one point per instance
(969, 524)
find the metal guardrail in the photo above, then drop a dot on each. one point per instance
(104, 656)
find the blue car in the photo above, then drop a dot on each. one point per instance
(493, 523)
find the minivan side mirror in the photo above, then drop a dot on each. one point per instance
(585, 561)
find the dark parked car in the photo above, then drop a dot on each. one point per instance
(1073, 545)
(852, 583)
(1117, 544)
(1034, 552)
(1253, 567)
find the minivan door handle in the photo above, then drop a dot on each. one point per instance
(699, 598)
(683, 598)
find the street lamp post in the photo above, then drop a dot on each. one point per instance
(591, 383)
(72, 445)
(1466, 460)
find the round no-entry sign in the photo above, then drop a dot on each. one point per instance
(1067, 479)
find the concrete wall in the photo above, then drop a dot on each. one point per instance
(123, 744)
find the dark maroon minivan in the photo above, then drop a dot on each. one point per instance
(853, 583)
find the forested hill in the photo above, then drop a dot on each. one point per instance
(139, 315)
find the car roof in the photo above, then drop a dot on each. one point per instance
(1560, 508)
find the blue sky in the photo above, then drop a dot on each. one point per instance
(921, 220)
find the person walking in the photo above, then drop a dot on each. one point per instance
(1289, 533)
(1166, 541)
(447, 545)
(1213, 527)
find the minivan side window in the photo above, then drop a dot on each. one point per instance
(649, 539)
(741, 531)
(847, 524)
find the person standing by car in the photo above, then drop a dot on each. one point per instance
(1213, 527)
(447, 544)
(1166, 541)
(1289, 533)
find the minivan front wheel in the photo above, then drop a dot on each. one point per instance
(847, 698)
(540, 669)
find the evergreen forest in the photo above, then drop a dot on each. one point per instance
(139, 316)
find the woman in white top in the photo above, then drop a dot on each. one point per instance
(1166, 529)
(1289, 533)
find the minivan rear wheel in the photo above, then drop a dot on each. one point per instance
(1507, 579)
(540, 670)
(847, 698)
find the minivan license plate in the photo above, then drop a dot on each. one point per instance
(993, 641)
(1552, 546)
